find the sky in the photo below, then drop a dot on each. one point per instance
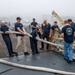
(36, 7)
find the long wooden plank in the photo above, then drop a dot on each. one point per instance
(47, 42)
(58, 17)
(36, 68)
(13, 32)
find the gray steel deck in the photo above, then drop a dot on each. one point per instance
(47, 59)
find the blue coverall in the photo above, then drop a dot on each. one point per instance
(33, 41)
(7, 39)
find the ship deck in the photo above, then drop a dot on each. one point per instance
(50, 59)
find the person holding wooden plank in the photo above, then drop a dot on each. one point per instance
(55, 32)
(33, 40)
(21, 37)
(68, 34)
(55, 28)
(7, 39)
(46, 33)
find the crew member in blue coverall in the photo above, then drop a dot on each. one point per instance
(7, 39)
(33, 41)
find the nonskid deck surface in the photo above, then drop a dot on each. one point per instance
(48, 59)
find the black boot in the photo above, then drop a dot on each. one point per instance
(26, 53)
(37, 52)
(69, 61)
(11, 55)
(74, 60)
